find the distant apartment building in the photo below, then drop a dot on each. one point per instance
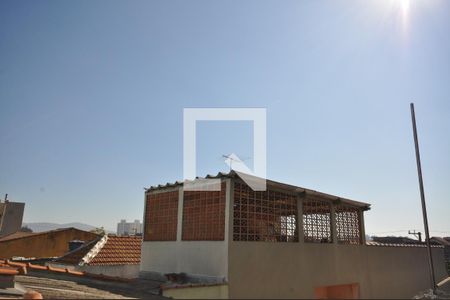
(129, 228)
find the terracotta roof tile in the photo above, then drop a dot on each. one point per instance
(119, 250)
(74, 257)
(8, 267)
(8, 271)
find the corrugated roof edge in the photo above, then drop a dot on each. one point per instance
(378, 244)
(296, 189)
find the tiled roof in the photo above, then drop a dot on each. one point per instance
(74, 257)
(297, 189)
(6, 270)
(8, 267)
(176, 183)
(442, 241)
(373, 243)
(117, 250)
(395, 240)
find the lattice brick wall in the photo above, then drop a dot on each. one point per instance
(204, 215)
(264, 216)
(161, 217)
(348, 224)
(316, 221)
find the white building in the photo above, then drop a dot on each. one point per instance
(285, 242)
(131, 228)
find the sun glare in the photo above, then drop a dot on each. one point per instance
(405, 14)
(402, 7)
(405, 8)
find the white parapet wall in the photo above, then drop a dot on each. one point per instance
(122, 271)
(192, 257)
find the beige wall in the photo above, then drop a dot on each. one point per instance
(197, 292)
(46, 244)
(293, 270)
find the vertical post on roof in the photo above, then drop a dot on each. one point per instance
(333, 227)
(422, 197)
(230, 209)
(300, 233)
(180, 213)
(362, 229)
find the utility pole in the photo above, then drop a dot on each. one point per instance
(417, 234)
(422, 197)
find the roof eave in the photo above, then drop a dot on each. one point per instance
(292, 188)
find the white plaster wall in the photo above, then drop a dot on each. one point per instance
(193, 257)
(122, 271)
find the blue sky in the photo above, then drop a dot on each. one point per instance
(92, 96)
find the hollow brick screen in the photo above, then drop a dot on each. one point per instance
(348, 225)
(161, 217)
(204, 215)
(264, 216)
(316, 221)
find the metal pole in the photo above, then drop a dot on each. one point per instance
(422, 197)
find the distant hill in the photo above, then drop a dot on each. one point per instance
(42, 226)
